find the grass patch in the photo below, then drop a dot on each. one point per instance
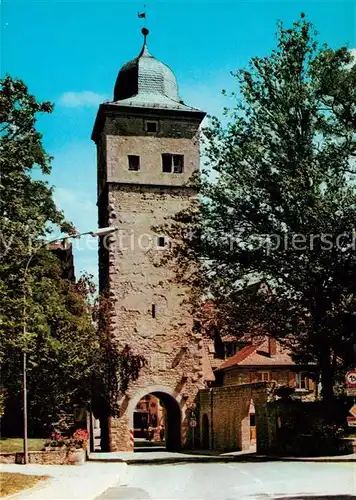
(11, 483)
(10, 445)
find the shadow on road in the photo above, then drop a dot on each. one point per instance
(315, 497)
(123, 493)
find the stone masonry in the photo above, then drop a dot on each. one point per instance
(152, 312)
(224, 416)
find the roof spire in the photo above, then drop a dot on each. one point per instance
(144, 50)
(145, 32)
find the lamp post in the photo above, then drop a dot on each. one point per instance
(98, 233)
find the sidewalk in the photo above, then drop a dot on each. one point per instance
(70, 482)
(166, 457)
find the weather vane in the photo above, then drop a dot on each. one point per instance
(143, 14)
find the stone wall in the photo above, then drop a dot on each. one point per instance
(152, 312)
(295, 428)
(45, 457)
(150, 151)
(227, 410)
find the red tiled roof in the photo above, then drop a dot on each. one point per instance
(240, 356)
(257, 355)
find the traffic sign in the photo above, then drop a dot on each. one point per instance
(351, 421)
(192, 423)
(350, 378)
(353, 410)
(191, 413)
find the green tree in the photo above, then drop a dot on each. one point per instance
(60, 338)
(280, 207)
(67, 353)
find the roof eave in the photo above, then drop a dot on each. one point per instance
(109, 107)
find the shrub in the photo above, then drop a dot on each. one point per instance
(78, 440)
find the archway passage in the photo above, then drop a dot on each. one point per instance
(247, 429)
(157, 422)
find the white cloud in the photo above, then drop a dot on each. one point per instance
(77, 206)
(84, 99)
(207, 95)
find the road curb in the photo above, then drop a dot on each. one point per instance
(222, 459)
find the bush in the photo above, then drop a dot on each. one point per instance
(323, 430)
(78, 440)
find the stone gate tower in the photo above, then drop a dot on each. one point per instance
(147, 149)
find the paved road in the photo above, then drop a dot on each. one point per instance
(240, 481)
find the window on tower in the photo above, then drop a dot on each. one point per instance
(172, 163)
(161, 241)
(178, 164)
(151, 127)
(134, 162)
(166, 162)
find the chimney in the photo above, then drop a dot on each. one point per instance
(272, 347)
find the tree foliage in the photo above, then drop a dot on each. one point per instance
(67, 354)
(278, 204)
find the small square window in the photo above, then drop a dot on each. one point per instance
(166, 162)
(173, 163)
(153, 311)
(178, 164)
(302, 381)
(134, 162)
(263, 376)
(151, 127)
(161, 241)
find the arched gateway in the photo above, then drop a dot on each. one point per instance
(173, 414)
(148, 148)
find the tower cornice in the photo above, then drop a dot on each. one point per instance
(114, 110)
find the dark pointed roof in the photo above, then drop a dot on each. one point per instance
(147, 82)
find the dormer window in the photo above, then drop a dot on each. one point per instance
(151, 127)
(172, 163)
(230, 349)
(134, 162)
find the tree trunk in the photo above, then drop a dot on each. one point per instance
(105, 428)
(327, 384)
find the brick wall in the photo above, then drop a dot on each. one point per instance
(227, 409)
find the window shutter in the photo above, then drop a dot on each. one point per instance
(291, 379)
(178, 164)
(253, 377)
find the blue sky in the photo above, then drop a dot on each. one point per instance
(69, 52)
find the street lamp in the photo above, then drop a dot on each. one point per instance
(98, 233)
